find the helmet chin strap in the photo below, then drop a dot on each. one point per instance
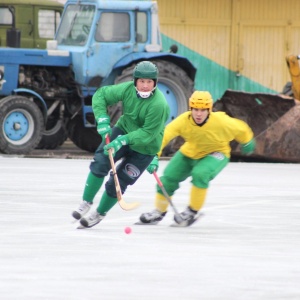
(144, 95)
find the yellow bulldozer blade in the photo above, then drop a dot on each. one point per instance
(274, 119)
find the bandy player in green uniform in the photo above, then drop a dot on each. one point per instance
(202, 157)
(135, 139)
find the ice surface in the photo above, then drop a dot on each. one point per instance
(247, 245)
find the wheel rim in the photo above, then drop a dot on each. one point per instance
(18, 127)
(172, 92)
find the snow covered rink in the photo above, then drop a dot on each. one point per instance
(246, 246)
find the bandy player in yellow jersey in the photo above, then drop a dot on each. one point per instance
(204, 154)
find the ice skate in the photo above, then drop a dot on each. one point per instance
(152, 218)
(186, 218)
(83, 208)
(93, 219)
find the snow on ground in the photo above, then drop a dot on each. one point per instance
(247, 245)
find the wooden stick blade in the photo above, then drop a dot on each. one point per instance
(128, 205)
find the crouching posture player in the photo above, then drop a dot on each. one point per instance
(136, 138)
(202, 157)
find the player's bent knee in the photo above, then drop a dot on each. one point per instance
(201, 179)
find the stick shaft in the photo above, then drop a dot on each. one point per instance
(124, 205)
(166, 194)
(113, 167)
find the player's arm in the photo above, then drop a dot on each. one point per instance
(245, 137)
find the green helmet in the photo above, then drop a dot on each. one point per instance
(145, 69)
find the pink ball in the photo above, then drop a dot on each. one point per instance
(127, 230)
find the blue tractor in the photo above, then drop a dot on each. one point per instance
(45, 95)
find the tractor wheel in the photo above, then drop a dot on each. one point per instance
(54, 135)
(21, 123)
(85, 138)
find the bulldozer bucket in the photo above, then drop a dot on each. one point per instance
(274, 119)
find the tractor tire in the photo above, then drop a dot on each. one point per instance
(54, 136)
(21, 123)
(85, 138)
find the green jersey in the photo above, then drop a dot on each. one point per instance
(143, 120)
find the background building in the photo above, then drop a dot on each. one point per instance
(235, 44)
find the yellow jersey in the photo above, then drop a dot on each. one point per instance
(214, 135)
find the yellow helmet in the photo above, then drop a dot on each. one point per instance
(201, 100)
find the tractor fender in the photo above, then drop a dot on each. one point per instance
(178, 60)
(37, 96)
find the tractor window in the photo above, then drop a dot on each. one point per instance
(113, 27)
(141, 27)
(6, 17)
(48, 23)
(75, 25)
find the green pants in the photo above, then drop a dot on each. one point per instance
(201, 170)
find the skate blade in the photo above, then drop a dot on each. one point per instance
(81, 227)
(182, 224)
(147, 224)
(187, 224)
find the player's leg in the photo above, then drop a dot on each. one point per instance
(177, 170)
(205, 170)
(128, 171)
(99, 168)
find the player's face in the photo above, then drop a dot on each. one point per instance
(199, 115)
(145, 85)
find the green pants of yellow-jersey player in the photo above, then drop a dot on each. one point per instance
(201, 171)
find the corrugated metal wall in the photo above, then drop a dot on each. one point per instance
(248, 38)
(203, 26)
